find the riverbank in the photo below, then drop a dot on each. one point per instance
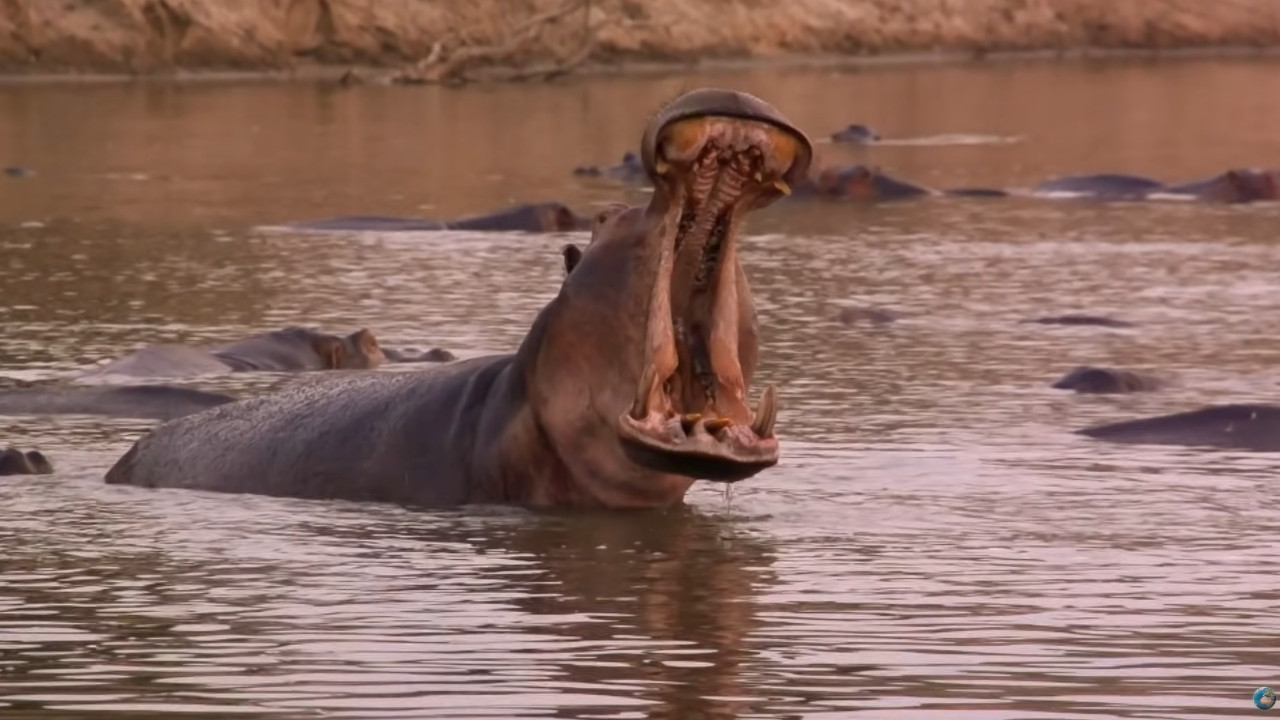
(478, 40)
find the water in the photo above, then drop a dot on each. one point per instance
(935, 544)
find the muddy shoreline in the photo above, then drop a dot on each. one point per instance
(373, 74)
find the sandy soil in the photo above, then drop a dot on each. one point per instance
(442, 40)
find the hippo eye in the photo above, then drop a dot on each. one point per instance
(608, 213)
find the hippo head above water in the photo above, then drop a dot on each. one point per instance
(654, 329)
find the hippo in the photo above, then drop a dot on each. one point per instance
(289, 349)
(855, 135)
(1104, 186)
(630, 170)
(1077, 319)
(546, 217)
(861, 183)
(1232, 186)
(1089, 379)
(1232, 427)
(151, 402)
(874, 316)
(631, 384)
(31, 462)
(410, 355)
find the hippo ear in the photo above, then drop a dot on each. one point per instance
(572, 256)
(365, 340)
(330, 351)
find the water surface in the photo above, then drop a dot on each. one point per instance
(935, 544)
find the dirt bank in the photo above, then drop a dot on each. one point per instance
(442, 39)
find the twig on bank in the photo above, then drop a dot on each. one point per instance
(466, 63)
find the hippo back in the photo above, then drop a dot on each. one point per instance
(160, 361)
(293, 348)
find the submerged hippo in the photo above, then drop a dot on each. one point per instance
(1232, 186)
(861, 183)
(872, 315)
(1089, 379)
(1076, 320)
(152, 402)
(411, 355)
(31, 462)
(1102, 186)
(630, 170)
(632, 383)
(855, 134)
(1235, 427)
(288, 349)
(530, 217)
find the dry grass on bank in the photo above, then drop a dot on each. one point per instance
(438, 40)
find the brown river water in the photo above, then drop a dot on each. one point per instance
(935, 544)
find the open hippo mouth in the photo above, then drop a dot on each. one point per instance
(713, 156)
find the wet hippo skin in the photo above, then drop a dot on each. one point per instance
(1089, 379)
(630, 170)
(156, 402)
(632, 383)
(862, 183)
(291, 349)
(31, 462)
(532, 217)
(1233, 186)
(1080, 320)
(855, 134)
(1236, 426)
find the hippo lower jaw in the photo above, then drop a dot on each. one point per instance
(689, 415)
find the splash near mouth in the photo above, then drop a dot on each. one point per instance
(690, 413)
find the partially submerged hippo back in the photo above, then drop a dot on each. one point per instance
(1113, 186)
(863, 184)
(1080, 320)
(160, 361)
(629, 170)
(1236, 427)
(299, 348)
(154, 402)
(535, 217)
(1233, 186)
(31, 462)
(855, 134)
(410, 355)
(369, 223)
(872, 315)
(630, 384)
(1089, 379)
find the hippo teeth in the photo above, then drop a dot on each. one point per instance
(648, 380)
(766, 413)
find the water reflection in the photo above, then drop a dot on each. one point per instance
(935, 543)
(589, 616)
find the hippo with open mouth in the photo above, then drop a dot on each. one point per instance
(631, 384)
